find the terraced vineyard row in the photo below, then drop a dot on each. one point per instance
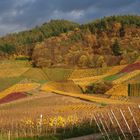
(110, 75)
(8, 82)
(83, 73)
(99, 100)
(118, 90)
(12, 72)
(127, 77)
(57, 74)
(82, 82)
(120, 87)
(36, 75)
(8, 64)
(19, 88)
(120, 120)
(65, 86)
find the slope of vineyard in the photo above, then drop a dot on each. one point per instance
(64, 86)
(36, 75)
(57, 74)
(82, 73)
(14, 64)
(121, 84)
(127, 77)
(12, 68)
(114, 77)
(135, 79)
(90, 76)
(12, 97)
(19, 88)
(115, 69)
(131, 67)
(82, 82)
(118, 90)
(100, 100)
(12, 72)
(9, 81)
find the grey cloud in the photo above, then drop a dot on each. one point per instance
(16, 15)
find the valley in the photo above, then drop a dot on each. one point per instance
(64, 80)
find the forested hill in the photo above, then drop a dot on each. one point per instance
(104, 23)
(23, 42)
(104, 42)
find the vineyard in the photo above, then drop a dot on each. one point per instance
(118, 90)
(85, 73)
(8, 82)
(36, 75)
(14, 64)
(19, 88)
(12, 97)
(65, 80)
(64, 121)
(134, 90)
(50, 102)
(98, 100)
(85, 81)
(120, 87)
(57, 74)
(64, 86)
(12, 72)
(126, 77)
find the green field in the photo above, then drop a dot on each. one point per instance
(114, 77)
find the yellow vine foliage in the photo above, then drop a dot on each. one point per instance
(12, 72)
(118, 90)
(95, 99)
(127, 77)
(83, 73)
(19, 88)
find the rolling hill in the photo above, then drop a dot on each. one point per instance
(61, 43)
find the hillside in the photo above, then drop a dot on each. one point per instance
(23, 42)
(104, 42)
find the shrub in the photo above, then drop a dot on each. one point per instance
(98, 88)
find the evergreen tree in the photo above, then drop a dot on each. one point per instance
(122, 32)
(116, 48)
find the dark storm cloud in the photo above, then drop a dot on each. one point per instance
(16, 15)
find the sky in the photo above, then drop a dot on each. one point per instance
(18, 15)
